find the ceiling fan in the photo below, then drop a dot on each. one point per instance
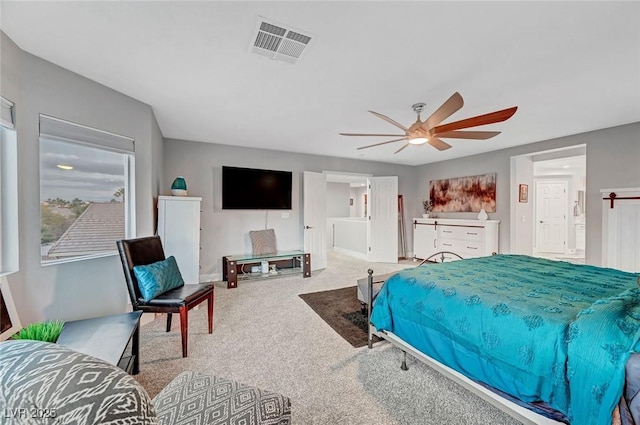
(430, 131)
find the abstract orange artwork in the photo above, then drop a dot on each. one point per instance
(464, 194)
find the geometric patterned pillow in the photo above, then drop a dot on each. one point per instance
(157, 278)
(195, 398)
(263, 241)
(51, 384)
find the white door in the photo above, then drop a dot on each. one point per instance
(314, 194)
(551, 216)
(382, 219)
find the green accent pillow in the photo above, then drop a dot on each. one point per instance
(157, 278)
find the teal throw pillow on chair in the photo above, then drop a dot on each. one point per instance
(157, 278)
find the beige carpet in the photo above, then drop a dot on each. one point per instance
(265, 335)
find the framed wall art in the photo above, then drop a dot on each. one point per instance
(464, 194)
(523, 193)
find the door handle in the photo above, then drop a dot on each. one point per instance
(541, 221)
(308, 227)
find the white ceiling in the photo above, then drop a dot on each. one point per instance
(572, 165)
(570, 67)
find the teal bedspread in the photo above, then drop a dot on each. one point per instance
(537, 329)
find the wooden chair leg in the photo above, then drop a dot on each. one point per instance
(184, 324)
(168, 322)
(210, 311)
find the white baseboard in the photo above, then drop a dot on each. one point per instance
(213, 277)
(355, 254)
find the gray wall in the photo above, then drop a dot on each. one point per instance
(82, 288)
(226, 232)
(613, 158)
(338, 199)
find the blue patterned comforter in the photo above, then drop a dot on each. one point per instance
(537, 329)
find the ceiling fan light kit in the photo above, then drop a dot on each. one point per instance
(431, 131)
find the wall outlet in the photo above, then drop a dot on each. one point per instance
(284, 215)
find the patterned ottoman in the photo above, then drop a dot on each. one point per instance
(195, 398)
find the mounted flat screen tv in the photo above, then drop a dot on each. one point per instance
(255, 189)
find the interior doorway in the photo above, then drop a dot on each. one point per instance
(551, 223)
(361, 218)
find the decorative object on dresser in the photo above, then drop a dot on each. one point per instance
(427, 205)
(148, 251)
(179, 187)
(467, 238)
(464, 194)
(179, 229)
(482, 215)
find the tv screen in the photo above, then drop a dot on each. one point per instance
(255, 189)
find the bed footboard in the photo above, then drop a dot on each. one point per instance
(438, 257)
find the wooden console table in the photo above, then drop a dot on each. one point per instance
(238, 267)
(106, 338)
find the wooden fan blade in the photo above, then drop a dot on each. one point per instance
(438, 144)
(407, 144)
(478, 135)
(381, 143)
(489, 118)
(389, 120)
(453, 104)
(366, 134)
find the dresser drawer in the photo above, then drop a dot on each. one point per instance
(461, 233)
(466, 249)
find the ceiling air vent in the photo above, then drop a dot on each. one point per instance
(279, 42)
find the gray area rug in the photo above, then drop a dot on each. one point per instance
(265, 335)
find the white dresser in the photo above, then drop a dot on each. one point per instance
(179, 230)
(467, 238)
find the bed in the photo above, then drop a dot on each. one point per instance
(550, 334)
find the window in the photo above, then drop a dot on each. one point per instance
(86, 190)
(8, 189)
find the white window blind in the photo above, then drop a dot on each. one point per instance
(6, 113)
(8, 189)
(57, 129)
